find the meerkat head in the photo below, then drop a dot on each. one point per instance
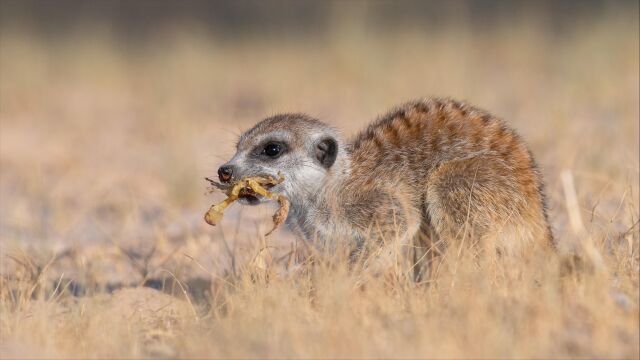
(302, 149)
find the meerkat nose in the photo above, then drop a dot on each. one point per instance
(225, 173)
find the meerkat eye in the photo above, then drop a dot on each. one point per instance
(272, 149)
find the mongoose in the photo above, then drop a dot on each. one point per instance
(437, 170)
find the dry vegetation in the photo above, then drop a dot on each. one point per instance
(104, 147)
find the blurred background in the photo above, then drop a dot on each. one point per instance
(113, 112)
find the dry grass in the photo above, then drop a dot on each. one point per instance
(103, 148)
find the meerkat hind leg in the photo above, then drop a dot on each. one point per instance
(480, 200)
(426, 251)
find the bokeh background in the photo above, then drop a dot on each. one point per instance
(113, 112)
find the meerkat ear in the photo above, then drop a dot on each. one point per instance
(326, 151)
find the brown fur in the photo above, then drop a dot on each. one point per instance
(435, 172)
(462, 171)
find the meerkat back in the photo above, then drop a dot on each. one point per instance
(466, 171)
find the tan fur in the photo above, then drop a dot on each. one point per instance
(436, 171)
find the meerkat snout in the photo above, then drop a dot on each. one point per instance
(225, 173)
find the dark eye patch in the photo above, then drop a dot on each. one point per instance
(271, 149)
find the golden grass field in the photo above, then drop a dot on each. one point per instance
(104, 147)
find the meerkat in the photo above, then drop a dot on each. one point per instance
(432, 171)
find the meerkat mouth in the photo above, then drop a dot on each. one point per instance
(250, 197)
(247, 195)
